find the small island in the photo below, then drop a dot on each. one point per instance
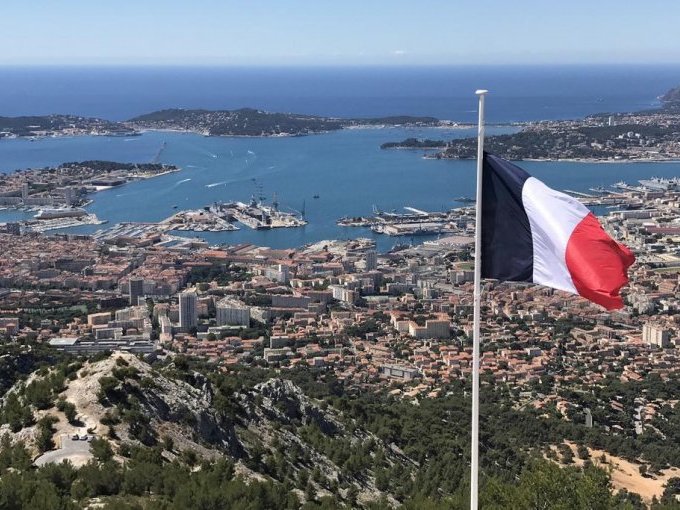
(415, 143)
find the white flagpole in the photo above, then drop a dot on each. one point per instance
(474, 471)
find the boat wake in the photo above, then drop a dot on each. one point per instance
(215, 184)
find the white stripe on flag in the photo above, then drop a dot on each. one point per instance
(553, 216)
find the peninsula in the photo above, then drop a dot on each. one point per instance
(650, 135)
(60, 125)
(252, 122)
(241, 122)
(69, 184)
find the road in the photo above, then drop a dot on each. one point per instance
(78, 452)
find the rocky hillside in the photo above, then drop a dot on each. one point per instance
(272, 431)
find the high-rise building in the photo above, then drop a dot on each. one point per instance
(188, 316)
(69, 195)
(136, 290)
(654, 334)
(371, 260)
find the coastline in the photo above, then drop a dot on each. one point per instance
(560, 160)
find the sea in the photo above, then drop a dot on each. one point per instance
(346, 170)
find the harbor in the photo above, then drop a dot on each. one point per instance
(257, 215)
(59, 218)
(414, 222)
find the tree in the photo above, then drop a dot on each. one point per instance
(101, 449)
(15, 414)
(68, 409)
(45, 432)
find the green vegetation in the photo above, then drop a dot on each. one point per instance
(415, 143)
(111, 166)
(223, 274)
(416, 454)
(252, 122)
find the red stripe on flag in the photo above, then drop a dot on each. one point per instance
(598, 265)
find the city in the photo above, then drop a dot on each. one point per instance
(398, 322)
(340, 256)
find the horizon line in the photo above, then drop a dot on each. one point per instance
(6, 65)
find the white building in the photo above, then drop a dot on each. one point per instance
(343, 293)
(231, 312)
(653, 334)
(279, 273)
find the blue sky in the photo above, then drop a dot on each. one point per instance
(338, 32)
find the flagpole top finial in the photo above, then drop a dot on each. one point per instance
(481, 92)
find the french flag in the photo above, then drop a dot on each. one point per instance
(532, 233)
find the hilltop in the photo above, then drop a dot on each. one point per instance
(269, 431)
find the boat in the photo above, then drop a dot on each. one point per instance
(174, 206)
(61, 212)
(660, 184)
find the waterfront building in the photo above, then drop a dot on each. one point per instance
(69, 195)
(188, 315)
(231, 312)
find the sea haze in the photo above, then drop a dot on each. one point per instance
(518, 93)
